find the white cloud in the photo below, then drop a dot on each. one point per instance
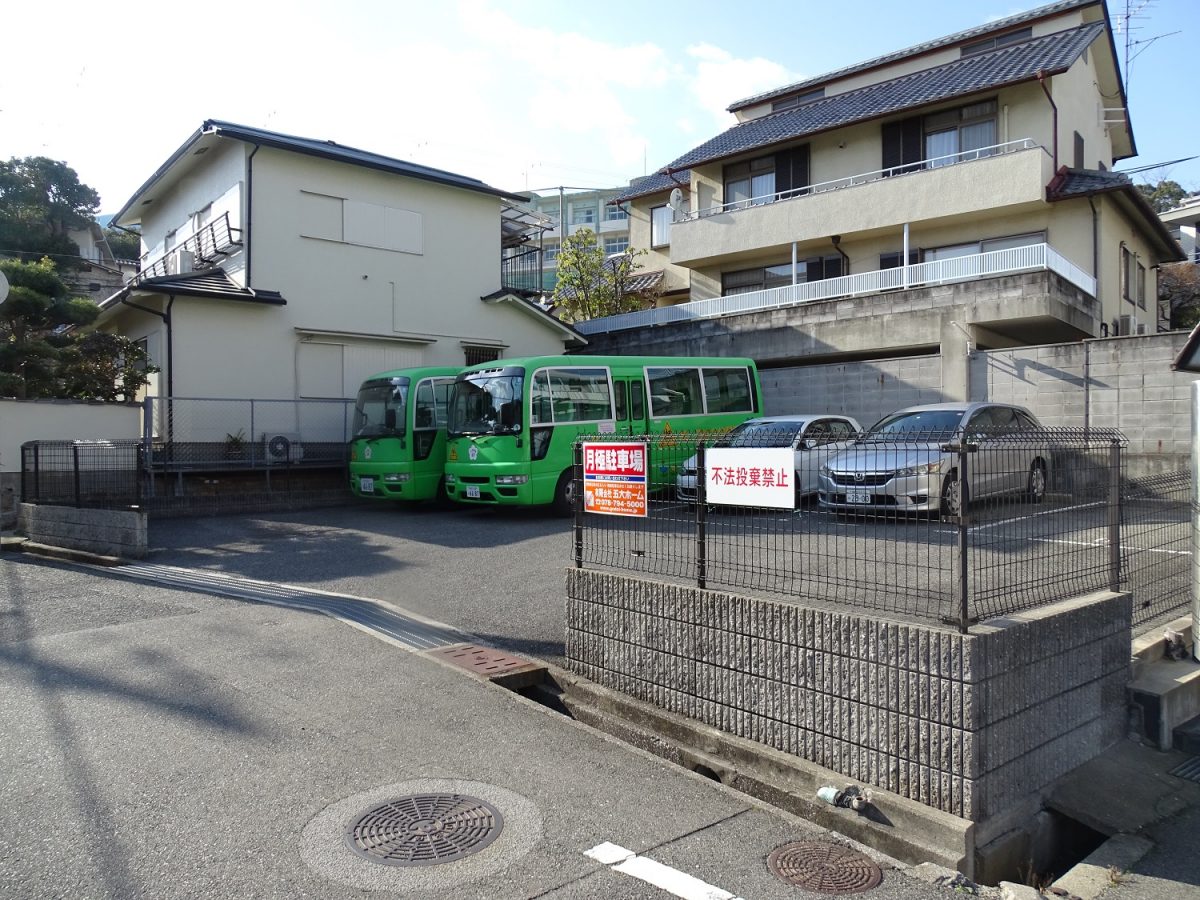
(720, 78)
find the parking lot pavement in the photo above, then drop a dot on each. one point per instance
(166, 743)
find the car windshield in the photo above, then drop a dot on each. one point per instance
(379, 408)
(762, 434)
(486, 404)
(919, 425)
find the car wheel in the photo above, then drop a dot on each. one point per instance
(951, 499)
(1035, 491)
(564, 495)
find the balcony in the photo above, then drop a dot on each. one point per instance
(204, 249)
(973, 183)
(1036, 257)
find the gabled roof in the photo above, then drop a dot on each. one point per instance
(210, 283)
(1050, 54)
(654, 184)
(970, 34)
(214, 128)
(532, 309)
(1070, 184)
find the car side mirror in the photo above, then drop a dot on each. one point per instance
(809, 444)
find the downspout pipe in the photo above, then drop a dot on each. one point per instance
(837, 245)
(1041, 77)
(248, 232)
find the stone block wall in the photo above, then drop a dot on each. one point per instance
(108, 532)
(967, 724)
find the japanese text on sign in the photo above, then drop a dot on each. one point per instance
(745, 476)
(614, 479)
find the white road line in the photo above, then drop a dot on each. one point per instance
(674, 882)
(1100, 542)
(1045, 512)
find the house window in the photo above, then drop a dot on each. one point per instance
(551, 253)
(473, 356)
(1002, 40)
(616, 245)
(950, 136)
(661, 218)
(798, 100)
(1079, 151)
(745, 281)
(750, 183)
(583, 215)
(1141, 285)
(616, 213)
(1128, 262)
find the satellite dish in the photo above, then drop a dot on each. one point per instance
(3, 287)
(676, 200)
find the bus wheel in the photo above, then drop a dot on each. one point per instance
(564, 494)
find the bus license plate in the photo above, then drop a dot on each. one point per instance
(858, 496)
(366, 485)
(473, 491)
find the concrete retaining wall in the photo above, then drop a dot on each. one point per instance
(971, 725)
(108, 532)
(866, 390)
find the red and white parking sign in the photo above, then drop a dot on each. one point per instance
(744, 476)
(615, 479)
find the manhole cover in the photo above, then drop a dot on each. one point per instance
(424, 829)
(824, 867)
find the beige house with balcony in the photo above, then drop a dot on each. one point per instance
(286, 268)
(952, 196)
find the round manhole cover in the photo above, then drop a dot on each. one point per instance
(823, 867)
(424, 829)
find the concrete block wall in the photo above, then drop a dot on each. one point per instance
(1125, 383)
(866, 390)
(108, 532)
(967, 724)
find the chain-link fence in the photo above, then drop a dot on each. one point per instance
(923, 525)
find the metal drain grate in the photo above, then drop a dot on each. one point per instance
(424, 829)
(485, 661)
(823, 867)
(1189, 769)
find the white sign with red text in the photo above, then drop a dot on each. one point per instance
(751, 476)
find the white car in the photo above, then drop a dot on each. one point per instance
(813, 437)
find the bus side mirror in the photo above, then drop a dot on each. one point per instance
(389, 419)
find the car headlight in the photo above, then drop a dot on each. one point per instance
(397, 477)
(450, 479)
(826, 471)
(512, 479)
(923, 469)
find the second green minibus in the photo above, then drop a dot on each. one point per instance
(512, 424)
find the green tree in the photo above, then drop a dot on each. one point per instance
(1179, 294)
(592, 284)
(1163, 195)
(45, 353)
(41, 200)
(123, 244)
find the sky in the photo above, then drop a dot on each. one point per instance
(525, 96)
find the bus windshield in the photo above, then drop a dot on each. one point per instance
(379, 408)
(486, 404)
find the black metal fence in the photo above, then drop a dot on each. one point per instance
(1157, 515)
(100, 474)
(925, 525)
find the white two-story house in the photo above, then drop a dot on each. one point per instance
(282, 267)
(952, 196)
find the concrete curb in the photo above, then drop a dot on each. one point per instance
(47, 551)
(1105, 866)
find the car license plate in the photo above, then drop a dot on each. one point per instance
(473, 491)
(366, 485)
(858, 496)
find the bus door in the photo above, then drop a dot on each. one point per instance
(429, 435)
(629, 396)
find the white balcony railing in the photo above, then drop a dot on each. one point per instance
(1035, 257)
(936, 162)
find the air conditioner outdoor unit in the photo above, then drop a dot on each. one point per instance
(181, 262)
(1127, 325)
(1141, 329)
(282, 447)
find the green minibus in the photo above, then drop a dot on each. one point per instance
(398, 444)
(513, 423)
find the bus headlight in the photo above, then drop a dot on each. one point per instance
(450, 479)
(397, 477)
(512, 479)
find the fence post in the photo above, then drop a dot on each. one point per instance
(1114, 515)
(75, 467)
(964, 498)
(577, 478)
(37, 474)
(24, 486)
(253, 442)
(701, 516)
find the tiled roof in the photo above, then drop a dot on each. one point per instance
(937, 44)
(654, 184)
(211, 283)
(1050, 54)
(1082, 182)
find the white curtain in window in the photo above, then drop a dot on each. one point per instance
(977, 136)
(940, 144)
(762, 188)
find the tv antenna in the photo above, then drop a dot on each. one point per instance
(1135, 10)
